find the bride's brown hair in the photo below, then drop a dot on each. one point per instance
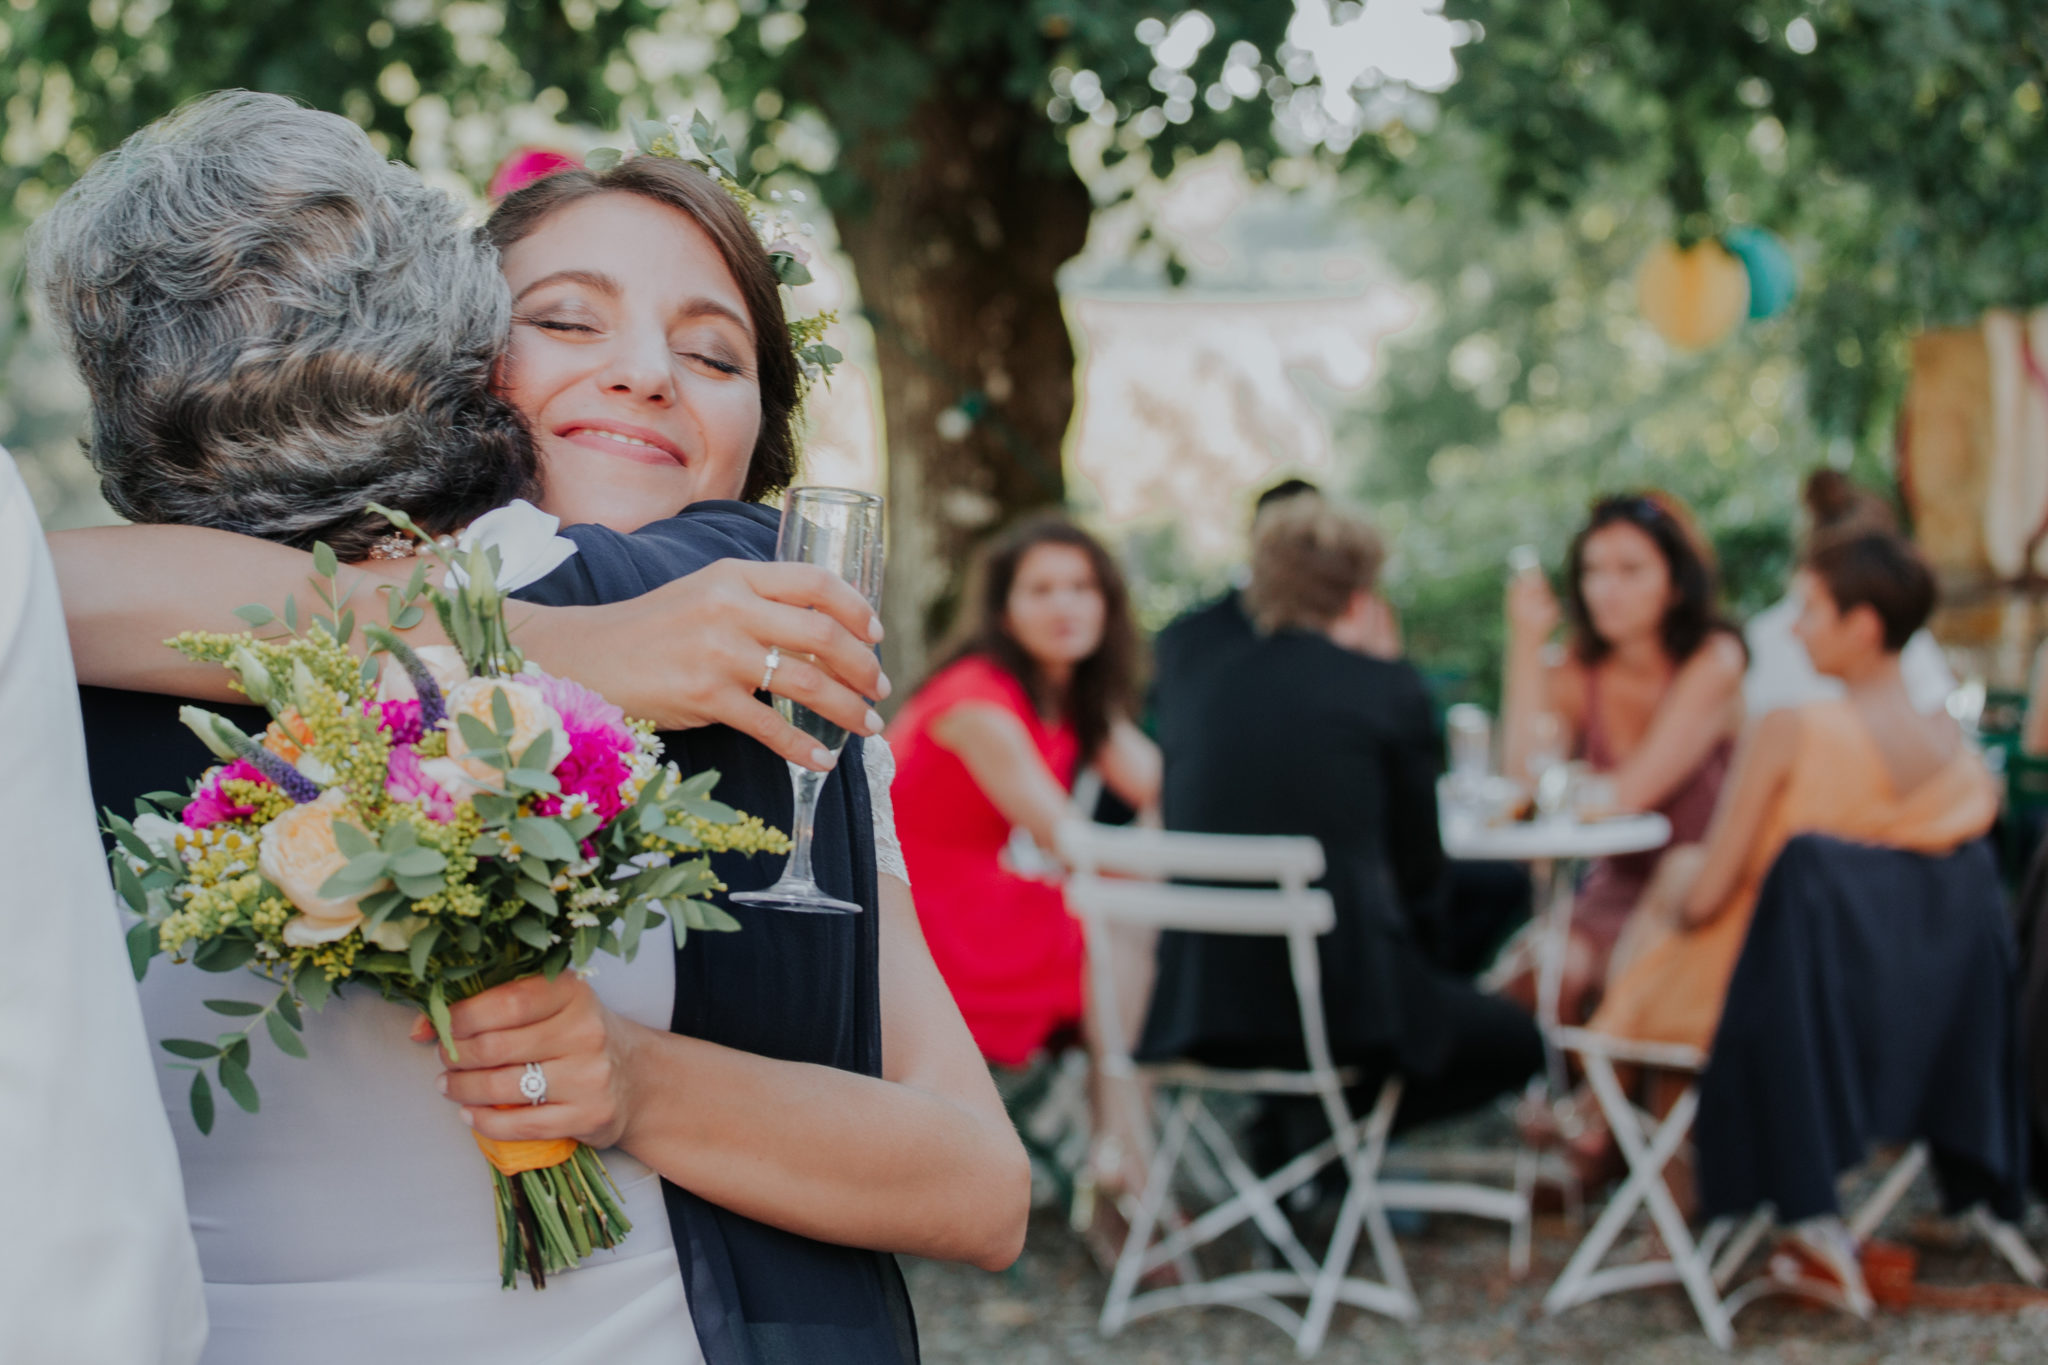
(681, 186)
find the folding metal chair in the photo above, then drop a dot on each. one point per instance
(1708, 1266)
(1271, 897)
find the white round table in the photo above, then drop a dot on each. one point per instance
(1558, 839)
(1555, 847)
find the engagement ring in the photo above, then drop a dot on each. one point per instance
(774, 662)
(533, 1084)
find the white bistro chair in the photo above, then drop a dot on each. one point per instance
(1707, 1266)
(1119, 877)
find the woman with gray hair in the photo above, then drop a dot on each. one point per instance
(740, 1085)
(276, 326)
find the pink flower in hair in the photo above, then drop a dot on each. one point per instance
(210, 805)
(527, 165)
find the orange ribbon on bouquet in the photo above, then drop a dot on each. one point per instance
(515, 1158)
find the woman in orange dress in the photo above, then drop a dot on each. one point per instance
(1866, 766)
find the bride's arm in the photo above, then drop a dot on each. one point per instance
(689, 653)
(923, 1160)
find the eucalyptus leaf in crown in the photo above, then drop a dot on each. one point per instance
(427, 823)
(778, 227)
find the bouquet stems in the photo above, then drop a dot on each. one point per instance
(551, 1217)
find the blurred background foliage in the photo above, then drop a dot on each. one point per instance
(1897, 146)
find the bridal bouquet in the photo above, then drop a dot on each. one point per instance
(427, 823)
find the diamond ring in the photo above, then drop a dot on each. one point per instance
(774, 662)
(533, 1084)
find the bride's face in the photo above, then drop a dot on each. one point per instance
(633, 359)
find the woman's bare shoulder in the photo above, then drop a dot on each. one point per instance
(1721, 660)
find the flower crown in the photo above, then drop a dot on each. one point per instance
(704, 147)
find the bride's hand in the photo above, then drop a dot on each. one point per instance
(692, 652)
(582, 1048)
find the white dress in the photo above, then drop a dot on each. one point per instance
(352, 1221)
(96, 1262)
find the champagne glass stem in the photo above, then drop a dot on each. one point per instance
(807, 785)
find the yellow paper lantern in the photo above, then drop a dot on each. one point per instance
(1692, 297)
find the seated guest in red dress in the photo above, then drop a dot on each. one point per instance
(1039, 686)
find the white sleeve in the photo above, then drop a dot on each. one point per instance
(1926, 673)
(98, 1266)
(880, 761)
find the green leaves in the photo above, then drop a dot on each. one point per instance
(313, 986)
(444, 1027)
(542, 835)
(285, 1035)
(202, 1102)
(234, 1078)
(240, 1009)
(191, 1049)
(142, 946)
(223, 954)
(603, 158)
(422, 947)
(256, 614)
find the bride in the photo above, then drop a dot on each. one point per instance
(781, 1107)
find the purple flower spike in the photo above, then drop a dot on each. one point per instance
(433, 705)
(293, 783)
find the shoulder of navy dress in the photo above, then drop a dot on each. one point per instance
(612, 566)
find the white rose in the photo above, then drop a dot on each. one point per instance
(532, 717)
(298, 854)
(451, 777)
(443, 661)
(524, 536)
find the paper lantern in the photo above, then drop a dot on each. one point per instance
(1773, 279)
(1692, 297)
(525, 166)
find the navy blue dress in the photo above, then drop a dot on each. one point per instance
(797, 987)
(803, 988)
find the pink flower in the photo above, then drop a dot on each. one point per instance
(405, 780)
(596, 766)
(210, 805)
(525, 166)
(400, 719)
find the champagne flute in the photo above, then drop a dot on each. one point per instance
(841, 530)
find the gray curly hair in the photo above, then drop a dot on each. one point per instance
(277, 326)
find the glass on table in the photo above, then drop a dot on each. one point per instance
(838, 529)
(1470, 730)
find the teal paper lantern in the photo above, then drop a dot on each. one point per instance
(1773, 278)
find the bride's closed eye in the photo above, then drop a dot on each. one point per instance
(558, 325)
(717, 363)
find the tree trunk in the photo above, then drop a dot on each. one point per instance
(956, 250)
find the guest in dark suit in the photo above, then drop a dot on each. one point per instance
(1202, 630)
(1296, 727)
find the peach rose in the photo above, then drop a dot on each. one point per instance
(297, 856)
(531, 718)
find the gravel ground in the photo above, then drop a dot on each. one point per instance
(1043, 1310)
